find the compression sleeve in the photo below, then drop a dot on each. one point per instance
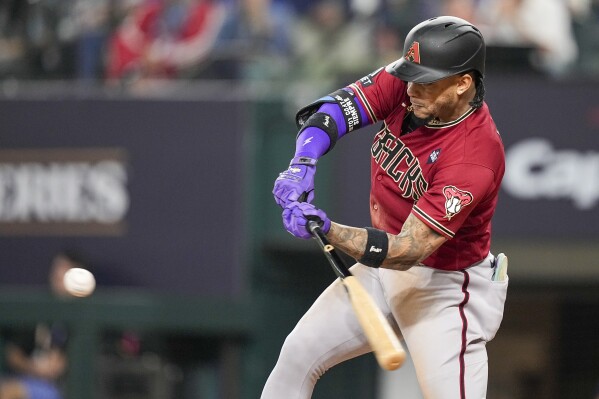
(314, 142)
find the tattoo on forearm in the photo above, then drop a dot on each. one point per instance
(414, 243)
(351, 240)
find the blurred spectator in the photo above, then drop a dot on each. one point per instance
(254, 42)
(465, 9)
(388, 44)
(13, 26)
(586, 28)
(36, 359)
(364, 8)
(545, 25)
(89, 28)
(329, 47)
(163, 39)
(403, 14)
(139, 40)
(53, 39)
(29, 40)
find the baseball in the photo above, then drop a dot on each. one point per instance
(79, 282)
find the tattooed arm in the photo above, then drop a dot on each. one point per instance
(414, 243)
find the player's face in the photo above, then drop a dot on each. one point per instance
(441, 99)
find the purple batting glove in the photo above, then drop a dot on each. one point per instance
(296, 216)
(293, 183)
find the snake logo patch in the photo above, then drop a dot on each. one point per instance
(455, 200)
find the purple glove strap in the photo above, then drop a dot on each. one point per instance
(293, 182)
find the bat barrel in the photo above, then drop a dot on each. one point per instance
(387, 349)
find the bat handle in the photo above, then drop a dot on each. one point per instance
(314, 227)
(316, 231)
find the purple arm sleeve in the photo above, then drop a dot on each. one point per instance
(314, 142)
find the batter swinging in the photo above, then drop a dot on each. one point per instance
(437, 164)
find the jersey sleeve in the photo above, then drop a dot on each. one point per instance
(380, 93)
(452, 196)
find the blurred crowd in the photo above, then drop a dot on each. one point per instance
(129, 42)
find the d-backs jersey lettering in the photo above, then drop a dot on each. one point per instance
(446, 174)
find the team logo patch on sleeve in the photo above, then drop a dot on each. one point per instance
(455, 200)
(369, 79)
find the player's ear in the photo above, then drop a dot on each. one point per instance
(464, 83)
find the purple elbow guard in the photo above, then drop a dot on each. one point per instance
(337, 114)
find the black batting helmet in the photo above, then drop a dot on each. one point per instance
(440, 47)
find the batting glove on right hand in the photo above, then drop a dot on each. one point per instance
(296, 181)
(296, 216)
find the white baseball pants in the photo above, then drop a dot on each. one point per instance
(445, 318)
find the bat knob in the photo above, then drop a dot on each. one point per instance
(314, 224)
(392, 361)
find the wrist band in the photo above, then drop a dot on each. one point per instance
(376, 249)
(303, 161)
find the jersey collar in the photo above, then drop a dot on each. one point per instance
(436, 124)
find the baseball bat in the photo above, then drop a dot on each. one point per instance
(387, 349)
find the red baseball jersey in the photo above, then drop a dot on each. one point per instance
(446, 174)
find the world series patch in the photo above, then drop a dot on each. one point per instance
(434, 156)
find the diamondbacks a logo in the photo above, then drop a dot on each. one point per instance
(413, 53)
(455, 200)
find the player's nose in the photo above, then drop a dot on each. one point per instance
(412, 89)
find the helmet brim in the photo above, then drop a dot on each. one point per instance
(411, 72)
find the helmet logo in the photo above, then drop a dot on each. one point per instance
(413, 53)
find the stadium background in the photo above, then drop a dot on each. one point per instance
(163, 183)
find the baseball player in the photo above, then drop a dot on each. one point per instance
(437, 164)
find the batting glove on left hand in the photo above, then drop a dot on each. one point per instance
(295, 182)
(296, 216)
